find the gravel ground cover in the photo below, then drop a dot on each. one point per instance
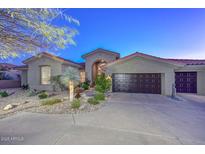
(23, 102)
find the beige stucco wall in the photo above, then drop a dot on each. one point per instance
(24, 77)
(142, 65)
(201, 82)
(34, 72)
(89, 60)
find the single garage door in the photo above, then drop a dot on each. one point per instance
(137, 83)
(186, 82)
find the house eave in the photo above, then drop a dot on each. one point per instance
(63, 61)
(102, 51)
(136, 54)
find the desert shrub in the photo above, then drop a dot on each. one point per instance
(43, 95)
(103, 83)
(57, 82)
(93, 101)
(75, 104)
(85, 85)
(77, 95)
(34, 92)
(99, 96)
(79, 90)
(51, 101)
(4, 94)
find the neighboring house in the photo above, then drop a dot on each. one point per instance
(135, 73)
(9, 76)
(6, 66)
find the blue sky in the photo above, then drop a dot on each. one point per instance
(171, 33)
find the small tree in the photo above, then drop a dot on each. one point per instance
(31, 30)
(71, 77)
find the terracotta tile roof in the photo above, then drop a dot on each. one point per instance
(183, 61)
(156, 58)
(171, 61)
(189, 61)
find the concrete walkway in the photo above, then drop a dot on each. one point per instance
(126, 119)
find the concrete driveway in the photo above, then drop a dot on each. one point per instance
(125, 119)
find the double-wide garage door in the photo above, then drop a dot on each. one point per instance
(137, 83)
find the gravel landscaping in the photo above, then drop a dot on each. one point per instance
(65, 108)
(23, 102)
(20, 99)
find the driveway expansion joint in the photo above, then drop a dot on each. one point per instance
(73, 119)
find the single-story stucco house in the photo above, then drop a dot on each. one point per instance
(135, 73)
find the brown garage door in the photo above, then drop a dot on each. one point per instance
(137, 83)
(186, 82)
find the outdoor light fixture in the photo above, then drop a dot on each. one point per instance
(71, 90)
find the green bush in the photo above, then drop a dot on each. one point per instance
(103, 83)
(51, 101)
(85, 85)
(93, 101)
(4, 94)
(43, 95)
(99, 96)
(75, 104)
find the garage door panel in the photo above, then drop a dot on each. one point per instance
(137, 83)
(186, 82)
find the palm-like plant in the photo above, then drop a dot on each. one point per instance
(70, 77)
(56, 81)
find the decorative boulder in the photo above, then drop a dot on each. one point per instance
(9, 107)
(107, 94)
(90, 93)
(83, 95)
(26, 102)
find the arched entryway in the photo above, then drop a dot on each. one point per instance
(97, 68)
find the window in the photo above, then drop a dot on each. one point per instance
(45, 75)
